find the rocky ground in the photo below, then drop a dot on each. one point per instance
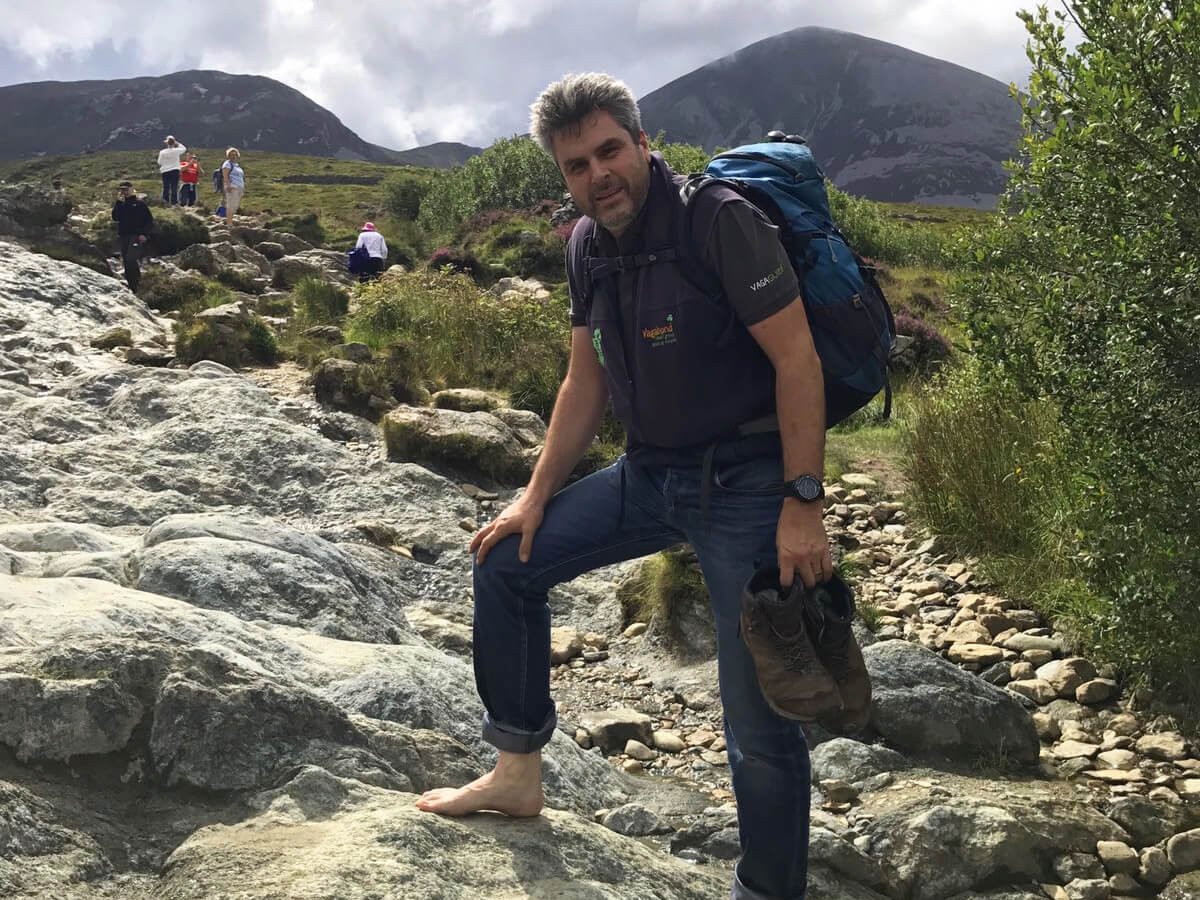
(234, 644)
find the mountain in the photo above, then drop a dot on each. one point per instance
(201, 108)
(884, 122)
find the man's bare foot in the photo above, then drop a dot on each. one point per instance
(514, 788)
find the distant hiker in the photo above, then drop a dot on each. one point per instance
(189, 177)
(168, 167)
(688, 365)
(134, 224)
(372, 241)
(234, 182)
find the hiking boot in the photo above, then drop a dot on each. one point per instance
(828, 613)
(792, 679)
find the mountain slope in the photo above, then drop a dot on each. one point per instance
(202, 108)
(883, 121)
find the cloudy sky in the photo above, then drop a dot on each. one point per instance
(403, 73)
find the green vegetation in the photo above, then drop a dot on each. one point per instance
(441, 328)
(1071, 452)
(663, 586)
(317, 302)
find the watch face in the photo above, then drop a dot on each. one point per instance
(807, 487)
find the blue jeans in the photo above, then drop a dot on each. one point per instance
(170, 182)
(626, 511)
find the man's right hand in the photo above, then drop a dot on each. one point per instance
(522, 516)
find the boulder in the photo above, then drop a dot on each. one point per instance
(853, 761)
(467, 400)
(466, 443)
(924, 704)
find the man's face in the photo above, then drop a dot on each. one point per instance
(125, 191)
(607, 172)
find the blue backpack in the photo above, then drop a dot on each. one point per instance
(850, 320)
(358, 260)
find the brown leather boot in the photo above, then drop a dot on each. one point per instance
(828, 613)
(792, 679)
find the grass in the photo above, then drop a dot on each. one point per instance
(90, 180)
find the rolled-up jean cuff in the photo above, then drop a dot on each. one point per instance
(515, 740)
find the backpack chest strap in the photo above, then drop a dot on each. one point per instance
(599, 267)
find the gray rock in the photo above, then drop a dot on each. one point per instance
(924, 704)
(1147, 822)
(634, 820)
(841, 856)
(256, 569)
(723, 844)
(851, 760)
(610, 731)
(964, 844)
(1183, 851)
(1071, 866)
(467, 400)
(1088, 889)
(467, 443)
(385, 846)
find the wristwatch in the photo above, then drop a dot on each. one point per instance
(805, 488)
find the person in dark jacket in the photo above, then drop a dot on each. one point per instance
(134, 224)
(684, 369)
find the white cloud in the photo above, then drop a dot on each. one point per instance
(465, 70)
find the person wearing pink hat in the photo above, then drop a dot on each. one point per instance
(376, 248)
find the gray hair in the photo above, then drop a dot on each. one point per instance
(565, 104)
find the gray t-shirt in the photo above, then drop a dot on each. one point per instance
(743, 250)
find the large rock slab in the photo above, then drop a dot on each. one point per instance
(257, 569)
(324, 838)
(230, 705)
(924, 704)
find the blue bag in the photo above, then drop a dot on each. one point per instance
(358, 260)
(850, 320)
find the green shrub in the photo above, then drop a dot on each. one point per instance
(306, 226)
(444, 330)
(663, 587)
(1087, 290)
(317, 302)
(239, 280)
(403, 193)
(175, 230)
(513, 173)
(872, 232)
(252, 343)
(165, 294)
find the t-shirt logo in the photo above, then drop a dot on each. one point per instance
(596, 342)
(661, 335)
(767, 279)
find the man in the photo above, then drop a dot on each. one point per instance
(682, 370)
(189, 177)
(168, 167)
(376, 247)
(134, 223)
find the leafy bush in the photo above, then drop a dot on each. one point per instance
(873, 233)
(1086, 292)
(403, 193)
(443, 329)
(684, 159)
(306, 226)
(317, 302)
(513, 173)
(461, 261)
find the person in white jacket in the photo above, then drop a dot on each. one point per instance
(376, 247)
(168, 166)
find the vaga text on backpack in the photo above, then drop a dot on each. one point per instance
(850, 320)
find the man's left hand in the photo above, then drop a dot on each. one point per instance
(141, 239)
(802, 544)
